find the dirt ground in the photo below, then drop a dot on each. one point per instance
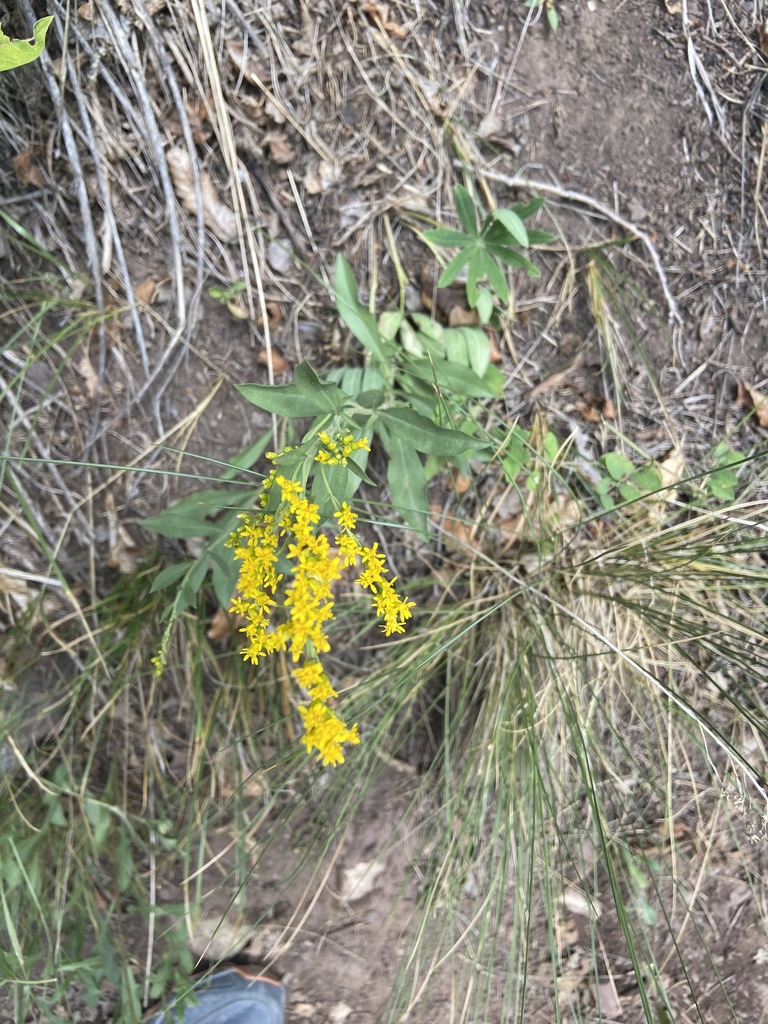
(638, 118)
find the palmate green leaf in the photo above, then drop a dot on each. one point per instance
(421, 433)
(475, 274)
(466, 209)
(526, 210)
(360, 321)
(495, 276)
(307, 395)
(484, 305)
(513, 224)
(16, 52)
(455, 267)
(447, 238)
(540, 237)
(513, 258)
(407, 482)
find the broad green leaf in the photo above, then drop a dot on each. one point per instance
(447, 238)
(494, 380)
(428, 327)
(484, 305)
(190, 517)
(551, 446)
(647, 479)
(407, 482)
(554, 21)
(16, 52)
(513, 224)
(603, 485)
(617, 465)
(170, 575)
(224, 576)
(629, 493)
(389, 324)
(478, 348)
(455, 267)
(723, 487)
(305, 396)
(466, 209)
(456, 347)
(455, 379)
(425, 436)
(409, 339)
(360, 321)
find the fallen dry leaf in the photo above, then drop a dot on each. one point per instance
(279, 364)
(456, 534)
(588, 412)
(555, 381)
(358, 881)
(26, 170)
(495, 351)
(762, 36)
(89, 375)
(380, 13)
(146, 291)
(460, 316)
(461, 482)
(593, 408)
(221, 626)
(672, 470)
(197, 114)
(752, 399)
(252, 71)
(124, 553)
(320, 177)
(280, 149)
(218, 218)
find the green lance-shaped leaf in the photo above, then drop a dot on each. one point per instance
(407, 482)
(360, 321)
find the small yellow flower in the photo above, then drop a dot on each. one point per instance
(346, 517)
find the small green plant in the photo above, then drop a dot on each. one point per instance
(624, 481)
(549, 7)
(16, 52)
(488, 244)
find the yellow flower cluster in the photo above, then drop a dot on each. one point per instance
(336, 450)
(291, 532)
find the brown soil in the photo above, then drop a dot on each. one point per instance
(358, 122)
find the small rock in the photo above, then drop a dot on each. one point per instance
(279, 255)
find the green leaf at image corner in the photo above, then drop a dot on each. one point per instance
(422, 434)
(306, 395)
(16, 52)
